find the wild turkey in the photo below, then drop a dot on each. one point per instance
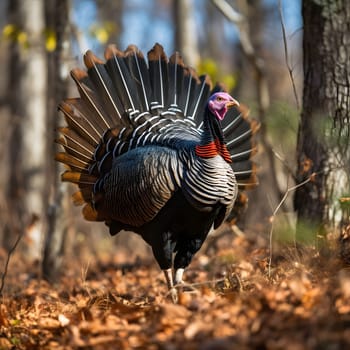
(146, 146)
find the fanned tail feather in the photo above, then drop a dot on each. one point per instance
(75, 144)
(78, 120)
(176, 75)
(103, 84)
(199, 97)
(190, 81)
(139, 71)
(78, 178)
(158, 72)
(239, 130)
(121, 79)
(90, 99)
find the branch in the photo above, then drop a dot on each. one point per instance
(285, 165)
(243, 29)
(286, 55)
(4, 274)
(229, 12)
(285, 196)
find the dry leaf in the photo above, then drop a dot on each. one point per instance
(63, 320)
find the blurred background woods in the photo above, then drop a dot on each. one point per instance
(253, 46)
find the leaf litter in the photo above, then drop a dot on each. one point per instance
(233, 304)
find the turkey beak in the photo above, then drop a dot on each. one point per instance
(232, 103)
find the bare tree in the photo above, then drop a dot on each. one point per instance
(27, 186)
(185, 33)
(324, 130)
(57, 19)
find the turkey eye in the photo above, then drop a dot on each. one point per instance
(219, 99)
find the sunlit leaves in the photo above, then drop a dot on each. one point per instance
(229, 81)
(13, 33)
(50, 40)
(9, 31)
(103, 31)
(210, 67)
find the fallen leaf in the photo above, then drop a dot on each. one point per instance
(63, 320)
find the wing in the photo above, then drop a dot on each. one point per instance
(139, 184)
(208, 183)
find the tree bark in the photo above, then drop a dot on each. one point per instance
(27, 146)
(57, 19)
(323, 136)
(185, 37)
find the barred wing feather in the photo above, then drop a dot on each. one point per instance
(145, 176)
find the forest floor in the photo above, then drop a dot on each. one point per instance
(238, 302)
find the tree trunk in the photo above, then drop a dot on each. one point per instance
(185, 37)
(27, 147)
(324, 128)
(57, 18)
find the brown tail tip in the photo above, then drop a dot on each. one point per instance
(91, 60)
(90, 214)
(112, 51)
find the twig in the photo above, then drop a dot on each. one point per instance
(229, 12)
(285, 164)
(286, 54)
(241, 23)
(4, 274)
(290, 189)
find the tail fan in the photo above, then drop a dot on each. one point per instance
(239, 131)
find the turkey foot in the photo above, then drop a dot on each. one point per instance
(172, 290)
(180, 284)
